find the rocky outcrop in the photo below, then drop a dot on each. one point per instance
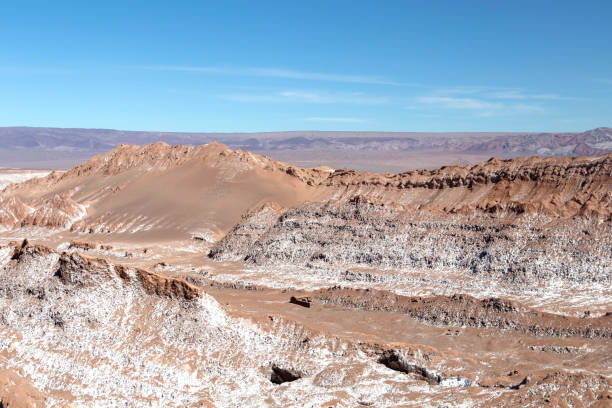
(532, 169)
(553, 187)
(395, 361)
(362, 232)
(12, 211)
(82, 270)
(252, 226)
(170, 287)
(282, 375)
(303, 301)
(58, 212)
(464, 310)
(84, 245)
(523, 221)
(557, 187)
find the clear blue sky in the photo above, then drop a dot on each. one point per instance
(293, 65)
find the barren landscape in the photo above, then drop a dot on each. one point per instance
(159, 275)
(57, 148)
(291, 204)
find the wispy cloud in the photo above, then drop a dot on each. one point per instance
(460, 90)
(297, 96)
(278, 73)
(476, 106)
(521, 94)
(604, 80)
(487, 101)
(335, 119)
(493, 92)
(458, 103)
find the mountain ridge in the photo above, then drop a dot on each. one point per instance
(374, 151)
(88, 193)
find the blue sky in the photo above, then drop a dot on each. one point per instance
(295, 65)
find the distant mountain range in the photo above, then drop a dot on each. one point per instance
(61, 148)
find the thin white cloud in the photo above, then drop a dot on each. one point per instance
(478, 107)
(459, 103)
(604, 80)
(298, 96)
(278, 73)
(520, 94)
(304, 96)
(335, 119)
(502, 93)
(460, 90)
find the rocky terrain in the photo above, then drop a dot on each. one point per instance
(165, 275)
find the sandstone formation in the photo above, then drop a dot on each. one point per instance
(165, 275)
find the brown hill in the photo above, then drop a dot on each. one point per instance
(161, 191)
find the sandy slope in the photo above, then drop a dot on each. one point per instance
(166, 193)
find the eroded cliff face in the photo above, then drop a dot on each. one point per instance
(527, 251)
(12, 211)
(527, 222)
(556, 187)
(86, 331)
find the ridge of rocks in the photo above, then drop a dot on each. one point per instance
(75, 268)
(463, 310)
(557, 187)
(365, 233)
(494, 170)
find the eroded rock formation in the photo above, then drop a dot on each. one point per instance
(174, 275)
